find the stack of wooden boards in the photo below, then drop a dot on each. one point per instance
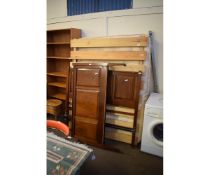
(126, 56)
(119, 49)
(115, 116)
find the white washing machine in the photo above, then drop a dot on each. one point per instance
(152, 135)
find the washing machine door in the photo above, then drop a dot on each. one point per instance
(156, 132)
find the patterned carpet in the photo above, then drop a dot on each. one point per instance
(64, 157)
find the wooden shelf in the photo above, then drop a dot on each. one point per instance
(59, 57)
(58, 74)
(58, 62)
(60, 96)
(57, 43)
(58, 84)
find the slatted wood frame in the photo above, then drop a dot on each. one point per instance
(130, 50)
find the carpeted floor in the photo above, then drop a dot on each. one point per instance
(130, 162)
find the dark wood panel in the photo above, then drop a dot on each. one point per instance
(75, 33)
(88, 77)
(58, 36)
(70, 82)
(86, 128)
(58, 66)
(58, 50)
(87, 103)
(123, 89)
(52, 90)
(109, 87)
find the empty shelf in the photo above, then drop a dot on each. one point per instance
(57, 84)
(61, 42)
(59, 57)
(57, 74)
(60, 96)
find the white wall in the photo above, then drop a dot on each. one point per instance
(147, 3)
(146, 15)
(56, 8)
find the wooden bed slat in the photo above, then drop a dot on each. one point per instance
(110, 55)
(141, 41)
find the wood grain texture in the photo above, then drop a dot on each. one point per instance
(57, 84)
(88, 77)
(89, 101)
(75, 33)
(119, 135)
(124, 89)
(110, 55)
(55, 36)
(119, 119)
(58, 74)
(54, 106)
(61, 96)
(61, 50)
(139, 125)
(57, 43)
(86, 128)
(53, 102)
(128, 68)
(120, 108)
(141, 41)
(58, 57)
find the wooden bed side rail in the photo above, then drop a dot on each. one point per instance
(124, 67)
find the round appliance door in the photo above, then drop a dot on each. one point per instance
(156, 132)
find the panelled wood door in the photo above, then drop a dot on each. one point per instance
(89, 101)
(123, 88)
